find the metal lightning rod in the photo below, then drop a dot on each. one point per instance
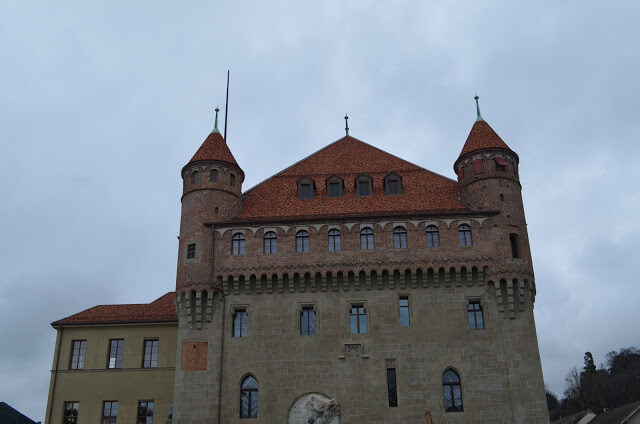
(226, 109)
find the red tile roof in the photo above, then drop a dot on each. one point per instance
(422, 191)
(160, 310)
(214, 148)
(482, 136)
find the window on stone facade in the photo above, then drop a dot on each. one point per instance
(307, 321)
(513, 239)
(400, 238)
(392, 184)
(334, 240)
(474, 315)
(270, 243)
(191, 250)
(232, 179)
(195, 177)
(70, 414)
(249, 397)
(109, 411)
(364, 186)
(150, 353)
(464, 235)
(403, 304)
(452, 391)
(358, 319)
(237, 244)
(78, 349)
(302, 241)
(240, 323)
(116, 348)
(214, 175)
(433, 236)
(366, 239)
(392, 389)
(145, 412)
(335, 187)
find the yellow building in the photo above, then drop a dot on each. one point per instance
(114, 361)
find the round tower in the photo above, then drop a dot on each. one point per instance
(212, 192)
(488, 179)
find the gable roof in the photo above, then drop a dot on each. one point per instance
(160, 310)
(9, 415)
(482, 136)
(214, 147)
(423, 191)
(618, 415)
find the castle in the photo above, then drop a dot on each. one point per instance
(353, 287)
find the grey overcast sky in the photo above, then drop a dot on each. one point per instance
(103, 102)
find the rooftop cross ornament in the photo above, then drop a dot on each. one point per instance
(346, 123)
(479, 117)
(215, 126)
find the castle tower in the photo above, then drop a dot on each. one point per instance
(488, 179)
(212, 189)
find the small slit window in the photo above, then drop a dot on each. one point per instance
(232, 179)
(191, 250)
(513, 239)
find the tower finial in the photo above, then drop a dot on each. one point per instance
(215, 126)
(346, 123)
(479, 117)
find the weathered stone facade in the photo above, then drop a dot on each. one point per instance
(498, 365)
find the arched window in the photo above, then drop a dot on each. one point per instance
(334, 240)
(249, 397)
(513, 238)
(452, 391)
(195, 177)
(366, 239)
(464, 235)
(237, 244)
(214, 175)
(232, 179)
(433, 236)
(400, 237)
(392, 184)
(270, 243)
(364, 186)
(335, 187)
(302, 241)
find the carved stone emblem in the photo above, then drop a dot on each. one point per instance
(316, 407)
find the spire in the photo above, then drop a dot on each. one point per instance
(215, 126)
(479, 117)
(346, 123)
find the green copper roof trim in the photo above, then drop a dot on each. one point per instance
(479, 117)
(215, 126)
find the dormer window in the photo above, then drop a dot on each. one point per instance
(364, 186)
(335, 187)
(392, 184)
(306, 188)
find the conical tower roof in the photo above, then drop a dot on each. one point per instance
(482, 136)
(214, 148)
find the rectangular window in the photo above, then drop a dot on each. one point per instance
(116, 347)
(404, 311)
(334, 189)
(78, 350)
(110, 412)
(474, 315)
(306, 191)
(240, 323)
(393, 186)
(513, 238)
(364, 188)
(308, 321)
(145, 412)
(70, 413)
(150, 357)
(391, 387)
(191, 251)
(358, 316)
